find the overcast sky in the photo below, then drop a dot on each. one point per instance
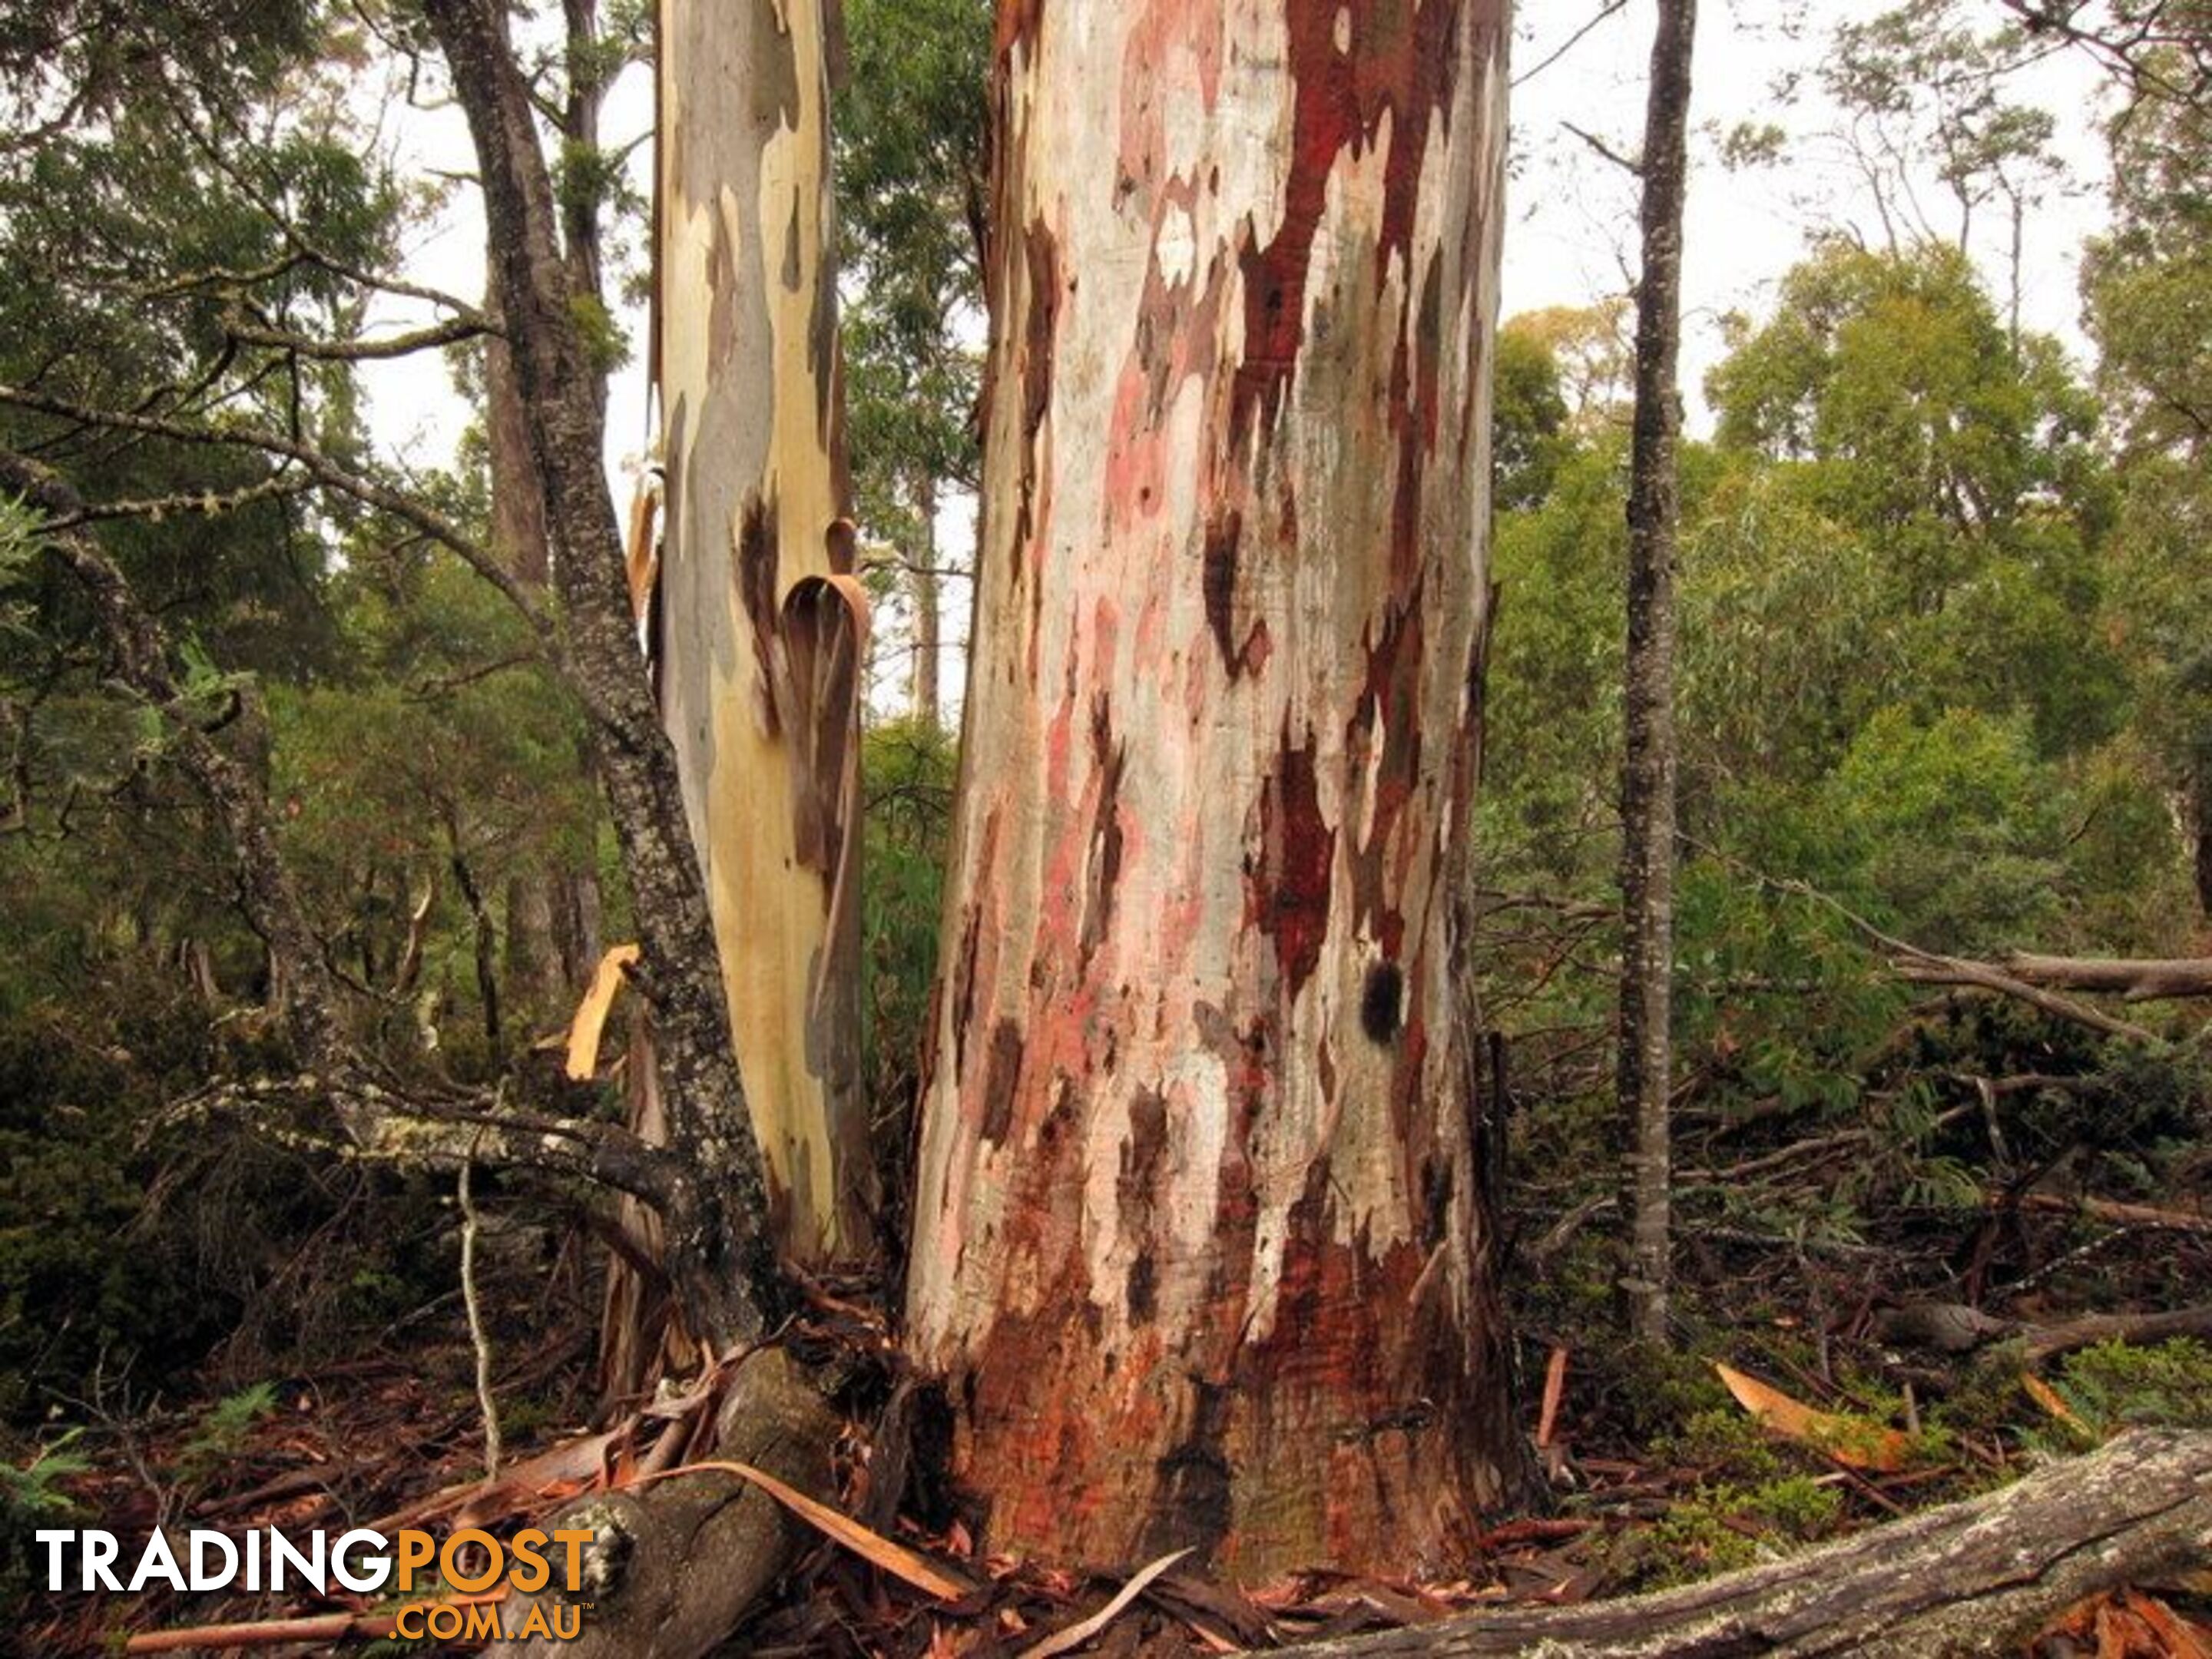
(1573, 236)
(1571, 239)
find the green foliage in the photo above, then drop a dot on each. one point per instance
(1720, 1529)
(34, 1492)
(2114, 1386)
(1529, 420)
(223, 1431)
(1943, 828)
(31, 1497)
(909, 768)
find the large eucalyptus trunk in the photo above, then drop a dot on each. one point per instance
(759, 631)
(1202, 1251)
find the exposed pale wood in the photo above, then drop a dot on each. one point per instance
(1977, 1578)
(751, 401)
(2124, 1215)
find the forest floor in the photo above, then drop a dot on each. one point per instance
(1824, 1383)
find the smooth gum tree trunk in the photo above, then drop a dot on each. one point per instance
(759, 625)
(1201, 1253)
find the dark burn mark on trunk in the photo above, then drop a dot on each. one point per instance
(1287, 892)
(1400, 62)
(790, 271)
(756, 584)
(1003, 1071)
(1387, 714)
(1225, 534)
(1414, 394)
(1218, 571)
(1143, 1155)
(1041, 254)
(1436, 1201)
(1382, 1002)
(962, 981)
(1112, 760)
(1194, 1507)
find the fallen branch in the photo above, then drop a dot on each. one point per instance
(1919, 968)
(2145, 980)
(2047, 1341)
(1976, 1578)
(1923, 967)
(320, 1628)
(2121, 1215)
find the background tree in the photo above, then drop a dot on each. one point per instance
(1647, 789)
(913, 174)
(2145, 284)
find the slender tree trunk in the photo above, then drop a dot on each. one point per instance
(2200, 826)
(1201, 1250)
(761, 626)
(720, 1252)
(928, 617)
(1647, 789)
(543, 966)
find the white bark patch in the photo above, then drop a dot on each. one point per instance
(1198, 1134)
(1175, 247)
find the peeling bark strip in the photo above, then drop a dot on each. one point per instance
(1200, 1249)
(760, 632)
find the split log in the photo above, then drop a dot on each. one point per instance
(1977, 1578)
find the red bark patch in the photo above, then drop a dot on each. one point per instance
(1018, 21)
(1111, 760)
(1136, 1193)
(1400, 63)
(1387, 717)
(1287, 892)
